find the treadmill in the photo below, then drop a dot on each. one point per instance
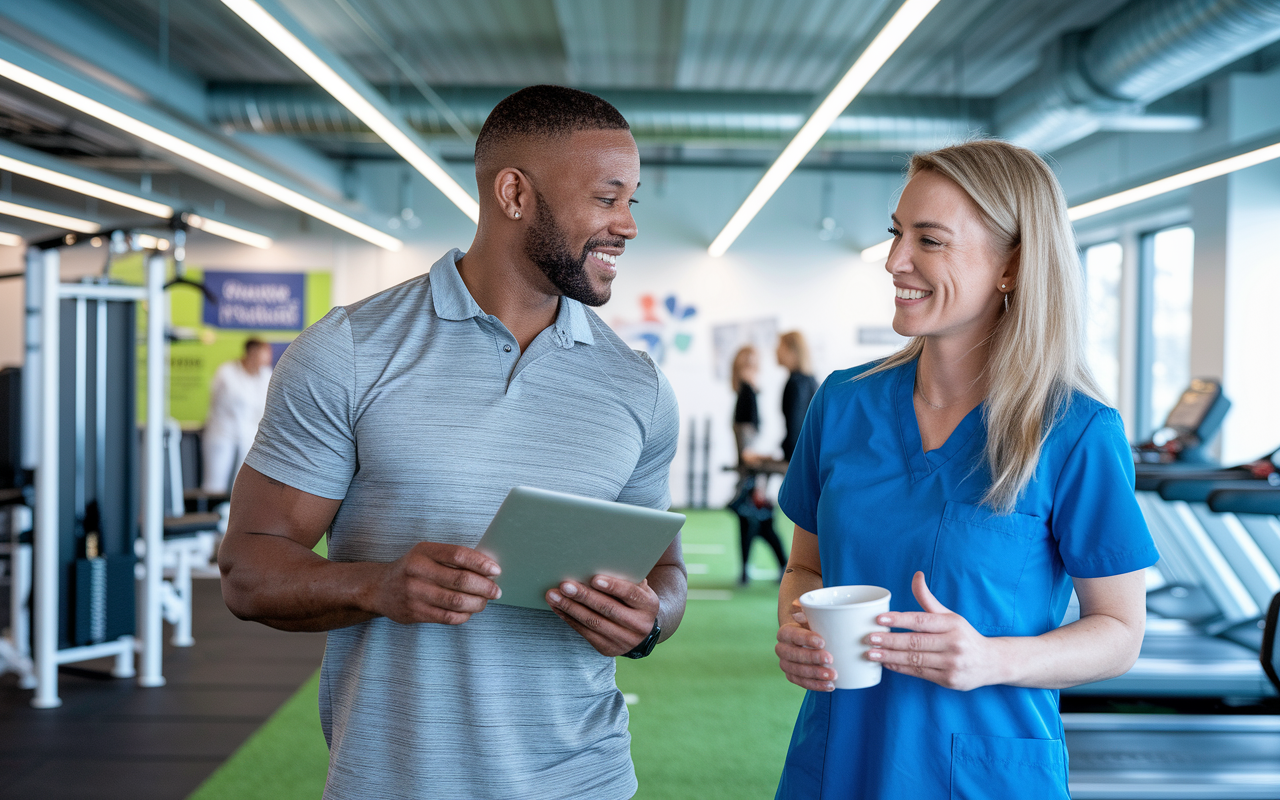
(1204, 688)
(1177, 449)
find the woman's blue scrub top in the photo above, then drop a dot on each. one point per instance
(882, 509)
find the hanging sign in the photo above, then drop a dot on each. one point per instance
(256, 300)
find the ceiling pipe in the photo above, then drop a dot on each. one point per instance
(657, 118)
(1091, 80)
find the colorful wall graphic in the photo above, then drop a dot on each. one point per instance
(662, 326)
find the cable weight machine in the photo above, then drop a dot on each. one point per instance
(79, 405)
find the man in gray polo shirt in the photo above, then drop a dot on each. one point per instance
(399, 423)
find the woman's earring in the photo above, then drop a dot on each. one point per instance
(518, 217)
(1001, 285)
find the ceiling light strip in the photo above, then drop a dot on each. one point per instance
(64, 181)
(886, 42)
(49, 218)
(11, 240)
(198, 155)
(226, 231)
(354, 101)
(1179, 180)
(1145, 191)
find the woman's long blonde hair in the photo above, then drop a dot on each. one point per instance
(799, 346)
(1037, 346)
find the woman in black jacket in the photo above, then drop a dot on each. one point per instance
(754, 509)
(793, 353)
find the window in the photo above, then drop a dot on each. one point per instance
(1164, 334)
(1102, 266)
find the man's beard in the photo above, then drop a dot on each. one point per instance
(546, 246)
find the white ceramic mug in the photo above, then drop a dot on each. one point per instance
(844, 616)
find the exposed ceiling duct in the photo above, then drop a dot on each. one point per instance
(700, 119)
(710, 119)
(1094, 79)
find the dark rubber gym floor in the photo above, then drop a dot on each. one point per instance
(111, 739)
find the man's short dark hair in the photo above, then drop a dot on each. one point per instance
(545, 110)
(252, 343)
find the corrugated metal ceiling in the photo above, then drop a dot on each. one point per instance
(969, 47)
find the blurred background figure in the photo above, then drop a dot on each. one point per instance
(793, 355)
(752, 506)
(746, 413)
(237, 401)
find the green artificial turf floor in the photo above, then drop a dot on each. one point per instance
(711, 713)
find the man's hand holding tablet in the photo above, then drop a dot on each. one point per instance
(434, 582)
(613, 614)
(588, 560)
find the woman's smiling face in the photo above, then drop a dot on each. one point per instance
(946, 268)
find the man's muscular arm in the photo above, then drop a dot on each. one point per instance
(270, 574)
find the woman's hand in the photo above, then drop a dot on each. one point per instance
(943, 647)
(801, 656)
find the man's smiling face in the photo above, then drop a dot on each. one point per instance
(583, 218)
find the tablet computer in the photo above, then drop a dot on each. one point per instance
(541, 538)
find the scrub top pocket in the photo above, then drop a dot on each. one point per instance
(978, 561)
(1000, 768)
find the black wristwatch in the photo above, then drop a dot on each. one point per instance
(646, 647)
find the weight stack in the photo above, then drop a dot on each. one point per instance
(104, 599)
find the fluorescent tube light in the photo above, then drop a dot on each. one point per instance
(184, 149)
(306, 59)
(65, 181)
(1179, 180)
(1176, 181)
(886, 42)
(49, 218)
(228, 231)
(10, 240)
(146, 241)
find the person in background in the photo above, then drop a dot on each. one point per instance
(753, 507)
(976, 475)
(746, 412)
(237, 401)
(793, 355)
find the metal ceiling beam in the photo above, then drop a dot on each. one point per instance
(244, 176)
(720, 119)
(57, 165)
(75, 38)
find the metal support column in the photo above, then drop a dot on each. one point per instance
(153, 519)
(46, 480)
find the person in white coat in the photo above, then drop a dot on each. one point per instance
(237, 401)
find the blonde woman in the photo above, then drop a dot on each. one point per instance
(753, 507)
(793, 355)
(976, 475)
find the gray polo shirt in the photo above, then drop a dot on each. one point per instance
(419, 412)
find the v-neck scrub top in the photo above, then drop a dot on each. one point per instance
(882, 509)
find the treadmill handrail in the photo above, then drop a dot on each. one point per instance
(1261, 499)
(1197, 489)
(1268, 652)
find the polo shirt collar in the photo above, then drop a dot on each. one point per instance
(453, 301)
